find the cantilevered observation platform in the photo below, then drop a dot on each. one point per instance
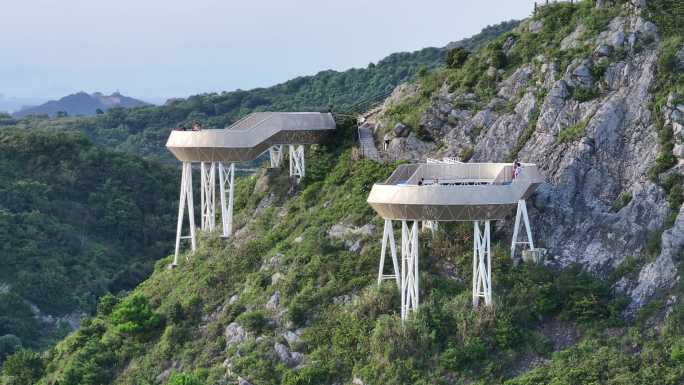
(245, 140)
(448, 192)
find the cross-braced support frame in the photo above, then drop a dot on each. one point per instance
(185, 200)
(275, 154)
(297, 165)
(227, 186)
(409, 268)
(208, 195)
(482, 265)
(388, 235)
(521, 214)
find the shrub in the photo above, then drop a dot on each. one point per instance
(254, 321)
(23, 368)
(8, 345)
(457, 57)
(582, 94)
(184, 379)
(622, 200)
(572, 133)
(134, 316)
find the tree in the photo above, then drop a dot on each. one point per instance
(9, 344)
(23, 368)
(99, 112)
(134, 316)
(456, 57)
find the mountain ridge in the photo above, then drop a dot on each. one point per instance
(81, 103)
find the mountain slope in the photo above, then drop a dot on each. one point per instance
(292, 299)
(81, 103)
(591, 95)
(73, 229)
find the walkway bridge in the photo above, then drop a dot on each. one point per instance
(449, 192)
(217, 150)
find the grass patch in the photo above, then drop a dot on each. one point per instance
(622, 200)
(572, 133)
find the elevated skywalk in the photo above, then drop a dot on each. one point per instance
(217, 150)
(448, 192)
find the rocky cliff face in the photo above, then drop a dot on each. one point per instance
(590, 128)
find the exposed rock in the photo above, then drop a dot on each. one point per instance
(401, 130)
(582, 76)
(287, 356)
(535, 26)
(274, 301)
(275, 278)
(680, 59)
(293, 337)
(235, 334)
(678, 151)
(242, 381)
(358, 381)
(661, 273)
(574, 39)
(298, 239)
(234, 298)
(614, 35)
(603, 50)
(516, 82)
(263, 183)
(572, 209)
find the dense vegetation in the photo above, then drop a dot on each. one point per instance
(143, 131)
(76, 221)
(175, 322)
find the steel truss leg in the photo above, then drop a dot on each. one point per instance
(482, 265)
(409, 268)
(388, 234)
(275, 153)
(297, 165)
(208, 195)
(227, 186)
(185, 199)
(521, 213)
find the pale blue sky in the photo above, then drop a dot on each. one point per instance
(165, 48)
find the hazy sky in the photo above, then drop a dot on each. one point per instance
(164, 48)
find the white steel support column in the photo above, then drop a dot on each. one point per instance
(388, 234)
(185, 199)
(297, 166)
(208, 195)
(521, 214)
(409, 268)
(482, 265)
(275, 153)
(227, 186)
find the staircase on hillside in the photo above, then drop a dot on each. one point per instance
(367, 143)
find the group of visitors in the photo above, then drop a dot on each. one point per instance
(195, 127)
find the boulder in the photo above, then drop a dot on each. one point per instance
(603, 50)
(535, 26)
(274, 301)
(287, 356)
(235, 334)
(401, 130)
(678, 151)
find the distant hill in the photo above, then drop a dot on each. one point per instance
(81, 103)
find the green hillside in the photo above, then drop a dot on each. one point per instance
(214, 319)
(76, 221)
(143, 131)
